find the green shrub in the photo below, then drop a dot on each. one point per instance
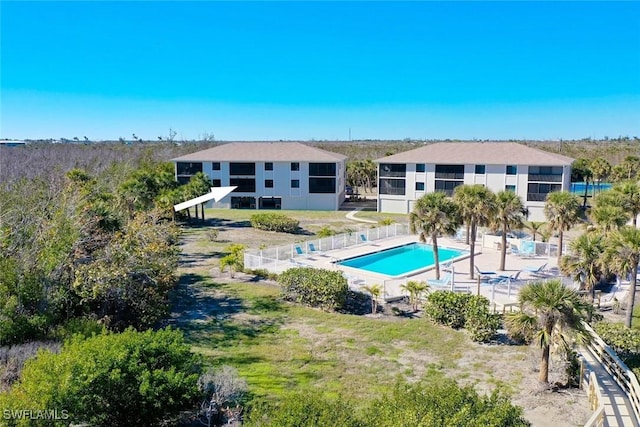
(314, 287)
(308, 409)
(436, 404)
(624, 341)
(443, 403)
(447, 308)
(274, 222)
(325, 231)
(234, 260)
(78, 326)
(481, 324)
(131, 378)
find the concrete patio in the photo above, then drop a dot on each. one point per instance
(502, 297)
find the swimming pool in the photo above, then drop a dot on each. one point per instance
(402, 260)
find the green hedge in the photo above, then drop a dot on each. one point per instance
(126, 379)
(435, 404)
(624, 341)
(314, 287)
(274, 222)
(463, 310)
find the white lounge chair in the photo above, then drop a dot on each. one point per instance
(444, 281)
(503, 280)
(364, 240)
(485, 275)
(536, 270)
(313, 250)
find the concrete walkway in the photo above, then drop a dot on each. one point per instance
(352, 217)
(617, 408)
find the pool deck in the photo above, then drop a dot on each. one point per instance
(502, 297)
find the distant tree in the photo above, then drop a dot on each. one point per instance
(585, 261)
(509, 214)
(434, 215)
(629, 169)
(476, 205)
(234, 260)
(581, 171)
(534, 227)
(127, 282)
(608, 212)
(376, 292)
(629, 193)
(600, 170)
(622, 256)
(415, 290)
(562, 210)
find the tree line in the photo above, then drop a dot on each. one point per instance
(89, 246)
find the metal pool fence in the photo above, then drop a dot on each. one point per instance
(279, 258)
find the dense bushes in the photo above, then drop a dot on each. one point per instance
(131, 378)
(429, 405)
(85, 246)
(274, 222)
(624, 341)
(315, 287)
(463, 310)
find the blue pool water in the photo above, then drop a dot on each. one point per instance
(578, 187)
(401, 260)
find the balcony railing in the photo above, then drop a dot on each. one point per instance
(536, 197)
(449, 175)
(544, 178)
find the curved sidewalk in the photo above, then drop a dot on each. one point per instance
(352, 217)
(617, 407)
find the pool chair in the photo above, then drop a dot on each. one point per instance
(503, 279)
(300, 252)
(297, 263)
(444, 281)
(313, 250)
(364, 240)
(484, 275)
(536, 270)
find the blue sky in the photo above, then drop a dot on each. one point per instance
(314, 70)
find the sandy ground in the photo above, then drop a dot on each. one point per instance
(485, 366)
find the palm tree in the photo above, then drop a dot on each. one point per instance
(584, 263)
(415, 290)
(535, 228)
(509, 214)
(434, 215)
(548, 310)
(581, 171)
(600, 169)
(622, 256)
(629, 191)
(607, 212)
(629, 169)
(376, 292)
(476, 204)
(562, 209)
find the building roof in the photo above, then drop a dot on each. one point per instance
(488, 153)
(261, 152)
